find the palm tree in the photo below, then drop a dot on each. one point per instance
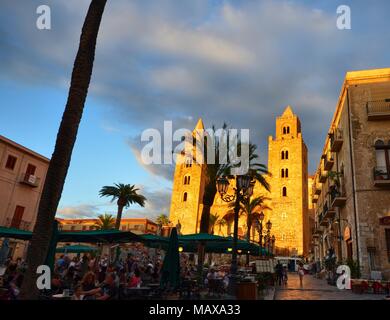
(221, 223)
(162, 220)
(125, 195)
(61, 157)
(105, 222)
(251, 208)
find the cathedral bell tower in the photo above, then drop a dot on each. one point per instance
(287, 162)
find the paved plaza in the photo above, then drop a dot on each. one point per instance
(317, 289)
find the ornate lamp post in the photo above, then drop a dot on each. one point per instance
(268, 226)
(259, 227)
(244, 188)
(273, 243)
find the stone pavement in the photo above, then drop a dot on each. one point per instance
(317, 289)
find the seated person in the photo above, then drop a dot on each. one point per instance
(108, 290)
(135, 279)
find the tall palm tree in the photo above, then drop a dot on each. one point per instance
(105, 222)
(162, 220)
(61, 157)
(125, 195)
(251, 208)
(220, 223)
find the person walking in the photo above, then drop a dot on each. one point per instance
(301, 273)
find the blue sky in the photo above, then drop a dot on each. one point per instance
(235, 61)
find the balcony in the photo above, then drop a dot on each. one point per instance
(30, 180)
(378, 110)
(328, 161)
(18, 224)
(381, 177)
(336, 140)
(338, 196)
(316, 189)
(328, 213)
(323, 176)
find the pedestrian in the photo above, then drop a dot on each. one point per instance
(301, 273)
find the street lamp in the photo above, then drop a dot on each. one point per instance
(273, 243)
(259, 226)
(243, 189)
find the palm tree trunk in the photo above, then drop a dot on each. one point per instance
(66, 137)
(119, 217)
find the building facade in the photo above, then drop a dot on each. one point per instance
(288, 198)
(351, 188)
(22, 176)
(135, 225)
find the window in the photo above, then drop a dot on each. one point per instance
(187, 179)
(11, 161)
(288, 130)
(387, 232)
(284, 192)
(284, 173)
(188, 163)
(382, 153)
(284, 130)
(185, 197)
(282, 155)
(30, 171)
(17, 218)
(72, 228)
(286, 155)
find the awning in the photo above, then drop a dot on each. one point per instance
(76, 249)
(15, 233)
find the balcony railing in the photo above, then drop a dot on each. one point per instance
(18, 224)
(329, 161)
(337, 193)
(381, 176)
(336, 140)
(316, 189)
(323, 176)
(378, 110)
(30, 180)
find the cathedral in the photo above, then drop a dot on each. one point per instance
(287, 202)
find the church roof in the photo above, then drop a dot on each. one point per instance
(288, 112)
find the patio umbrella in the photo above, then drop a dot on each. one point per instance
(170, 276)
(75, 249)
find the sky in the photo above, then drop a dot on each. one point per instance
(237, 61)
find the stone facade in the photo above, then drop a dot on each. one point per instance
(289, 214)
(354, 196)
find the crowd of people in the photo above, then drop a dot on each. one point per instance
(91, 277)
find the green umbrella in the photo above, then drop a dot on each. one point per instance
(170, 272)
(75, 249)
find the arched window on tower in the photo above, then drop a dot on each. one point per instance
(288, 130)
(282, 156)
(286, 155)
(188, 163)
(284, 192)
(282, 173)
(184, 196)
(187, 179)
(286, 173)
